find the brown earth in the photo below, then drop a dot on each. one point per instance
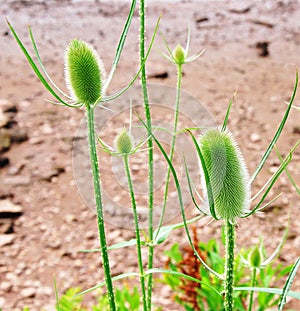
(55, 223)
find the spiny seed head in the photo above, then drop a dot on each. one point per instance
(255, 257)
(123, 142)
(84, 72)
(179, 54)
(229, 179)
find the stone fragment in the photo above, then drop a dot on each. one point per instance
(255, 138)
(10, 210)
(5, 139)
(6, 239)
(17, 180)
(3, 119)
(27, 292)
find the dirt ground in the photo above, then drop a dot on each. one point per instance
(252, 47)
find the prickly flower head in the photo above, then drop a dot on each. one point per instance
(179, 54)
(228, 175)
(123, 143)
(84, 72)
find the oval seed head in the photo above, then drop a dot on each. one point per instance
(228, 174)
(84, 72)
(123, 143)
(179, 54)
(255, 258)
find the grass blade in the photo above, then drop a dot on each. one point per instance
(288, 285)
(227, 113)
(156, 270)
(122, 91)
(276, 291)
(35, 68)
(115, 278)
(207, 179)
(277, 134)
(42, 65)
(121, 44)
(274, 179)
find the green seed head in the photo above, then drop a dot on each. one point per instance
(255, 257)
(84, 72)
(179, 54)
(227, 172)
(123, 143)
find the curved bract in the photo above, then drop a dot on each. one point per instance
(228, 175)
(84, 72)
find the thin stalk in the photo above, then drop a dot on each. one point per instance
(99, 208)
(177, 102)
(229, 265)
(253, 283)
(150, 148)
(137, 231)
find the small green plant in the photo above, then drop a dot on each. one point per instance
(197, 296)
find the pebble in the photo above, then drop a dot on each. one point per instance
(3, 119)
(28, 292)
(2, 302)
(17, 180)
(255, 138)
(5, 139)
(6, 239)
(8, 207)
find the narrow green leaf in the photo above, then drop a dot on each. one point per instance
(277, 134)
(121, 44)
(115, 278)
(291, 179)
(42, 65)
(164, 232)
(191, 190)
(35, 68)
(207, 179)
(158, 270)
(268, 290)
(56, 294)
(227, 113)
(120, 92)
(288, 285)
(274, 179)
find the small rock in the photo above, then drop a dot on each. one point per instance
(6, 239)
(5, 139)
(48, 175)
(28, 292)
(18, 135)
(14, 170)
(2, 302)
(255, 138)
(7, 106)
(8, 209)
(6, 226)
(17, 180)
(159, 75)
(263, 48)
(4, 161)
(3, 119)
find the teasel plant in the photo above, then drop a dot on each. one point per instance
(227, 188)
(86, 80)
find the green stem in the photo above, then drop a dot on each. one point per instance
(137, 231)
(177, 102)
(99, 208)
(150, 147)
(229, 266)
(253, 283)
